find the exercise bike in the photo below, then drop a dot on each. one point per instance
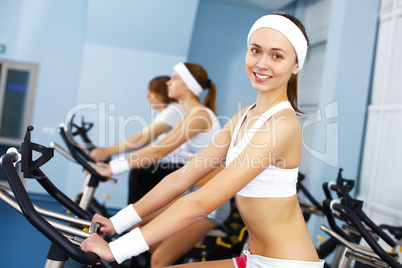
(65, 232)
(357, 226)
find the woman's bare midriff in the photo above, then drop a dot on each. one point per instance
(276, 228)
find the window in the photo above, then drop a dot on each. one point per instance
(380, 181)
(17, 90)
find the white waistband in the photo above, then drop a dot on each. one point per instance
(257, 261)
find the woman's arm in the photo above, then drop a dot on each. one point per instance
(179, 181)
(172, 186)
(167, 190)
(269, 145)
(189, 126)
(134, 142)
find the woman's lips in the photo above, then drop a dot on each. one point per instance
(261, 77)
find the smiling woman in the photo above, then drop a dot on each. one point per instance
(265, 189)
(282, 28)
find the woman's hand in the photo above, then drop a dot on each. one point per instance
(104, 169)
(99, 154)
(107, 225)
(95, 244)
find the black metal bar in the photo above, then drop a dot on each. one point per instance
(366, 235)
(61, 197)
(376, 229)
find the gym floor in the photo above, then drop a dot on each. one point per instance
(21, 244)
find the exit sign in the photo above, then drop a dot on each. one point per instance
(2, 48)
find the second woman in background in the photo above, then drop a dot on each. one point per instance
(189, 137)
(169, 113)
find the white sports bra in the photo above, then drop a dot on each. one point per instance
(273, 182)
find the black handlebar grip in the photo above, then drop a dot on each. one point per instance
(79, 155)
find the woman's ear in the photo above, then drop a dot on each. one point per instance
(296, 69)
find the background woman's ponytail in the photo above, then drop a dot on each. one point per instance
(210, 98)
(201, 75)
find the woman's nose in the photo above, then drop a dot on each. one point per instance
(263, 62)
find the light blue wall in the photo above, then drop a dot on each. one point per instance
(126, 45)
(94, 52)
(155, 25)
(50, 34)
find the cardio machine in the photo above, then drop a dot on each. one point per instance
(65, 232)
(357, 226)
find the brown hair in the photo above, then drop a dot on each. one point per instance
(292, 83)
(201, 75)
(158, 86)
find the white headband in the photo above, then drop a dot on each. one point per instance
(188, 78)
(288, 29)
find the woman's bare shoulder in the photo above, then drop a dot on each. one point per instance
(287, 120)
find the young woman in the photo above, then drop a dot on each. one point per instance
(261, 149)
(169, 114)
(190, 135)
(187, 138)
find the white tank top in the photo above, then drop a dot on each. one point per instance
(273, 182)
(170, 116)
(198, 142)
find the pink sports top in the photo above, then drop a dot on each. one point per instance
(273, 182)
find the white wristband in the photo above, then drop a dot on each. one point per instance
(119, 165)
(129, 245)
(125, 218)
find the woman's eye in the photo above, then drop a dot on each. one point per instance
(277, 56)
(255, 51)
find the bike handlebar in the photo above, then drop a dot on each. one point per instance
(82, 132)
(36, 219)
(356, 222)
(79, 154)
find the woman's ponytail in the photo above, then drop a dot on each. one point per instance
(292, 92)
(210, 98)
(201, 75)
